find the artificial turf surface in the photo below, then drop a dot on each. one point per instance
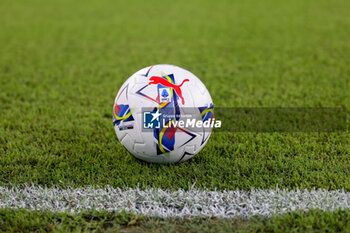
(62, 63)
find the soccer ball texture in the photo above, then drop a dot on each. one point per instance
(163, 89)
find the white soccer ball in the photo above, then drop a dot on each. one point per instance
(149, 108)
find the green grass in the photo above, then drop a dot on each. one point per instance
(62, 63)
(36, 221)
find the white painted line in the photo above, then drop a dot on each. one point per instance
(180, 203)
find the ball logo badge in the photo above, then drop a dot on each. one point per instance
(166, 83)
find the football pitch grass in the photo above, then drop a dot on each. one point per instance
(62, 63)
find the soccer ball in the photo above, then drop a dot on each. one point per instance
(149, 108)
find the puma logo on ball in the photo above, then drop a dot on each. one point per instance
(166, 83)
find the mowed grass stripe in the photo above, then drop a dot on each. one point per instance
(180, 203)
(93, 221)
